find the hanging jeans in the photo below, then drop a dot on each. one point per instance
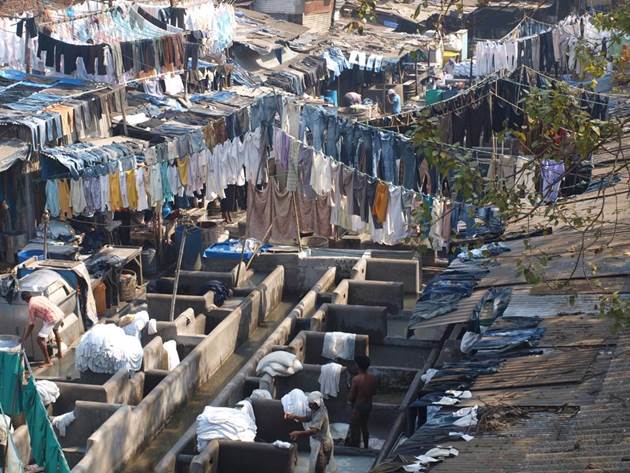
(313, 120)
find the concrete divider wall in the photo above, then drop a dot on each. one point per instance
(303, 272)
(395, 270)
(233, 391)
(307, 346)
(359, 319)
(227, 456)
(120, 437)
(377, 293)
(309, 302)
(159, 305)
(119, 388)
(359, 270)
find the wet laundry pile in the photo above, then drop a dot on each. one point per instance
(224, 423)
(106, 348)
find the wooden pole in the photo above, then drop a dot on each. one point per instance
(177, 270)
(238, 271)
(297, 222)
(258, 247)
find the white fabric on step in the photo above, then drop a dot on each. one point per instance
(260, 394)
(339, 345)
(62, 422)
(47, 390)
(224, 423)
(329, 379)
(279, 363)
(170, 348)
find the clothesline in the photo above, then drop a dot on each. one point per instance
(605, 94)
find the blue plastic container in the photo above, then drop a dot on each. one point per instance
(26, 254)
(331, 97)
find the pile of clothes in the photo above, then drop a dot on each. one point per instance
(279, 363)
(226, 423)
(106, 348)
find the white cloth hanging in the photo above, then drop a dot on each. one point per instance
(339, 345)
(329, 379)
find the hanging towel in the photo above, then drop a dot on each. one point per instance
(329, 379)
(339, 345)
(295, 403)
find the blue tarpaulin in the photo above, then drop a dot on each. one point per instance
(231, 250)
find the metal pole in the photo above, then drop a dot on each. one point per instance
(177, 269)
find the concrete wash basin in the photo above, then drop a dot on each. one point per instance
(247, 457)
(191, 292)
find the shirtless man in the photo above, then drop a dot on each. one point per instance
(361, 394)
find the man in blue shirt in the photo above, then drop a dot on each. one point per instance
(394, 99)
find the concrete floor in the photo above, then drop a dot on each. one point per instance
(203, 395)
(63, 368)
(345, 463)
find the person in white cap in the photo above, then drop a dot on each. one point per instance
(317, 429)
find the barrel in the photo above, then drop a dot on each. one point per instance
(100, 296)
(331, 96)
(191, 260)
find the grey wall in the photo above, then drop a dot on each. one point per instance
(359, 319)
(395, 270)
(304, 272)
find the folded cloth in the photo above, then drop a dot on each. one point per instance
(152, 328)
(106, 348)
(296, 403)
(47, 390)
(339, 345)
(281, 444)
(279, 363)
(224, 423)
(170, 348)
(329, 379)
(62, 422)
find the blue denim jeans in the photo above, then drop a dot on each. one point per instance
(388, 156)
(313, 119)
(346, 131)
(332, 135)
(408, 158)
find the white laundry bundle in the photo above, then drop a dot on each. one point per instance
(224, 423)
(62, 422)
(152, 328)
(279, 363)
(106, 348)
(47, 390)
(296, 403)
(170, 348)
(140, 320)
(281, 444)
(339, 345)
(260, 394)
(329, 379)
